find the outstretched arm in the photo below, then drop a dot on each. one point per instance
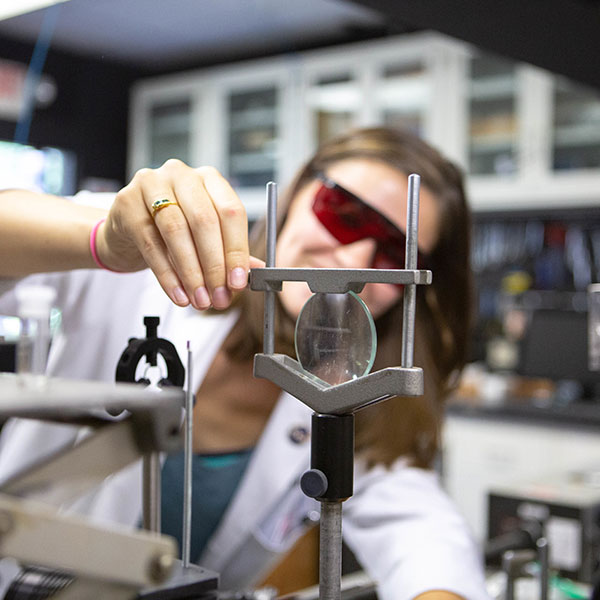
(41, 233)
(196, 244)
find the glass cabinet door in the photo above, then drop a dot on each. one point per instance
(170, 131)
(576, 127)
(333, 102)
(493, 119)
(402, 97)
(252, 136)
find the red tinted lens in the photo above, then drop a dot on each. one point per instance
(349, 220)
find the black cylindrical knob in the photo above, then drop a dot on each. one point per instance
(313, 483)
(332, 453)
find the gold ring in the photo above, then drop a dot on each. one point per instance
(160, 204)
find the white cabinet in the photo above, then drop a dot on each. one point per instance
(260, 120)
(526, 138)
(391, 82)
(532, 139)
(237, 118)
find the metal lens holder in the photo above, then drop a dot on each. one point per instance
(330, 479)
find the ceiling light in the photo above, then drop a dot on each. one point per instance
(12, 8)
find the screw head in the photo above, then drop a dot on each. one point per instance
(314, 483)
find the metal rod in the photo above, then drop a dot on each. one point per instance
(151, 492)
(269, 315)
(187, 473)
(410, 291)
(330, 551)
(544, 560)
(508, 559)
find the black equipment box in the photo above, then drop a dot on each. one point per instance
(569, 514)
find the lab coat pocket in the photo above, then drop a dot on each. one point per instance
(280, 526)
(286, 520)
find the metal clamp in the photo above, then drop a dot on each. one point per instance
(330, 479)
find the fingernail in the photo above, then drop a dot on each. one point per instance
(180, 296)
(221, 297)
(238, 277)
(201, 297)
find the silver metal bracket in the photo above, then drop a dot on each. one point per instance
(334, 281)
(338, 399)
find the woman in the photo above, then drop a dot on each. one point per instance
(250, 439)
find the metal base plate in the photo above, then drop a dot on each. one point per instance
(184, 584)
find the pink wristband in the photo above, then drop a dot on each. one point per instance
(93, 247)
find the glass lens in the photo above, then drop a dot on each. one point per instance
(335, 337)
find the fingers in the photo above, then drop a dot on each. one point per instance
(195, 239)
(156, 255)
(234, 228)
(193, 234)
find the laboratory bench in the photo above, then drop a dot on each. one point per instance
(579, 413)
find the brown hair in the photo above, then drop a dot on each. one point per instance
(407, 427)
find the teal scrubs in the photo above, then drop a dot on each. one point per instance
(215, 477)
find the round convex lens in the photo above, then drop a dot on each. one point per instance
(335, 337)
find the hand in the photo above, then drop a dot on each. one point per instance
(198, 248)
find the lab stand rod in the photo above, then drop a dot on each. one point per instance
(151, 492)
(269, 315)
(543, 553)
(410, 291)
(330, 551)
(187, 474)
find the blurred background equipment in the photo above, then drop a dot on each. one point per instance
(49, 170)
(565, 509)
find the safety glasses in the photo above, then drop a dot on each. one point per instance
(350, 219)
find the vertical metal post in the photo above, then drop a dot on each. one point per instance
(330, 551)
(410, 291)
(512, 571)
(151, 492)
(543, 552)
(269, 315)
(187, 474)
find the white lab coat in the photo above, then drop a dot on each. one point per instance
(399, 523)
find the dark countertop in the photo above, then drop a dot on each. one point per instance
(578, 413)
